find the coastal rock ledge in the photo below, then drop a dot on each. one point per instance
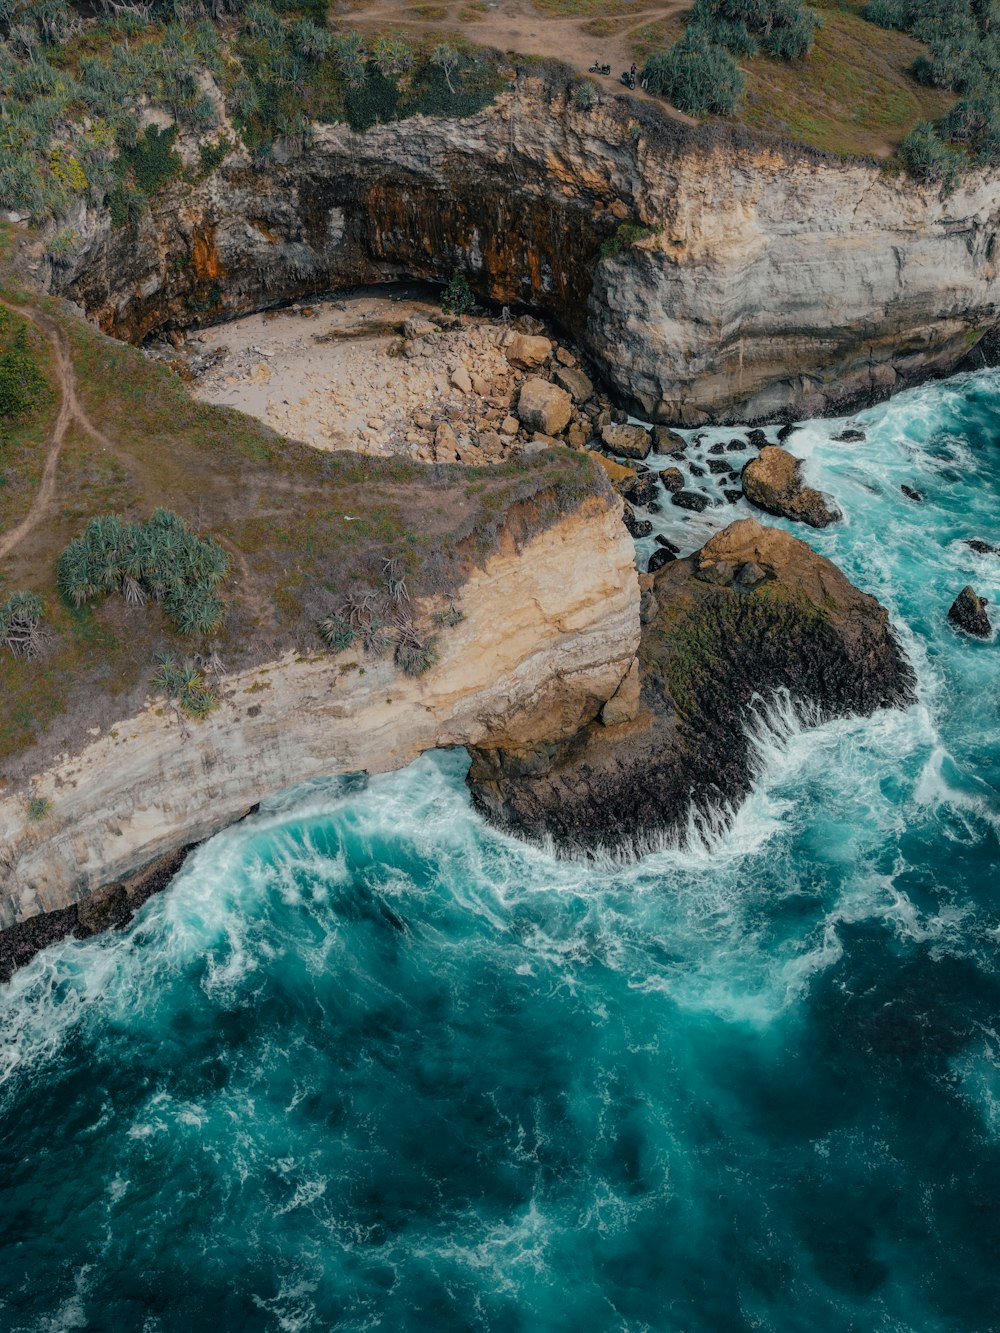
(754, 615)
(546, 639)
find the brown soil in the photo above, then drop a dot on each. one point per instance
(557, 29)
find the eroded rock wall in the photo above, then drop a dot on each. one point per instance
(775, 281)
(550, 630)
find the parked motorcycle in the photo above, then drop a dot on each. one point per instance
(599, 69)
(628, 79)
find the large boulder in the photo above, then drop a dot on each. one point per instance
(772, 482)
(575, 382)
(627, 441)
(524, 350)
(543, 406)
(755, 615)
(968, 612)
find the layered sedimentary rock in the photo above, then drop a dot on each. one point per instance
(754, 616)
(546, 640)
(753, 280)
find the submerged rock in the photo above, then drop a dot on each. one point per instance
(772, 482)
(753, 615)
(968, 612)
(690, 500)
(637, 527)
(982, 548)
(912, 494)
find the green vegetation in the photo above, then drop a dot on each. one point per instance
(625, 235)
(963, 57)
(21, 624)
(74, 90)
(186, 684)
(161, 559)
(699, 72)
(38, 807)
(458, 297)
(23, 385)
(380, 618)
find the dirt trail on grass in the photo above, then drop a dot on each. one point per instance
(70, 411)
(516, 26)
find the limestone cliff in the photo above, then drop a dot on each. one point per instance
(550, 631)
(772, 281)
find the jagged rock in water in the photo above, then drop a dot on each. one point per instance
(543, 406)
(690, 500)
(660, 557)
(637, 527)
(627, 441)
(982, 548)
(771, 481)
(673, 479)
(912, 493)
(968, 612)
(849, 436)
(644, 490)
(754, 613)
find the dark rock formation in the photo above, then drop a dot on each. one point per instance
(771, 481)
(912, 493)
(690, 500)
(644, 490)
(666, 441)
(968, 613)
(849, 436)
(637, 527)
(982, 548)
(673, 479)
(754, 613)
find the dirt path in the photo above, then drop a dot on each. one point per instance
(516, 26)
(69, 411)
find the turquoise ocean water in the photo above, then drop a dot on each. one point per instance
(368, 1064)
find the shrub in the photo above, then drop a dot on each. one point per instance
(457, 297)
(584, 95)
(38, 807)
(926, 157)
(161, 559)
(20, 624)
(624, 237)
(186, 684)
(696, 76)
(783, 29)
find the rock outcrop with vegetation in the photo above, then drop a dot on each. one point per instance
(755, 616)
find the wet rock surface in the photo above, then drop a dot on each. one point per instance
(772, 482)
(968, 612)
(756, 612)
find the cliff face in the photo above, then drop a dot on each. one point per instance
(775, 281)
(550, 631)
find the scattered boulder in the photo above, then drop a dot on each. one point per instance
(637, 527)
(717, 449)
(757, 438)
(732, 496)
(737, 446)
(415, 327)
(627, 441)
(718, 466)
(912, 494)
(543, 406)
(509, 426)
(673, 479)
(789, 428)
(575, 382)
(577, 435)
(696, 469)
(667, 543)
(666, 441)
(445, 443)
(690, 500)
(850, 436)
(461, 379)
(526, 350)
(771, 482)
(968, 612)
(750, 575)
(565, 357)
